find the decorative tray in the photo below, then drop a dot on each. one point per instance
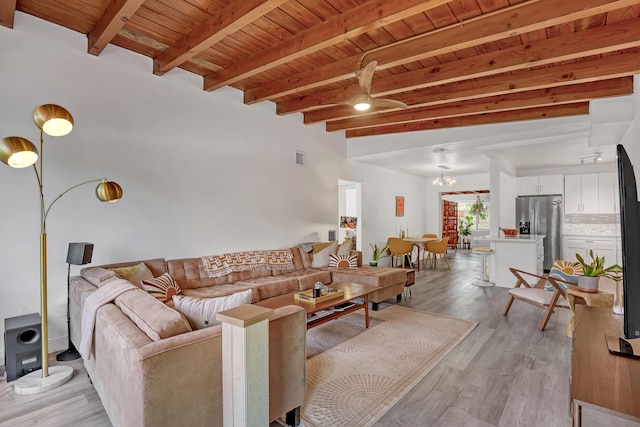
(307, 296)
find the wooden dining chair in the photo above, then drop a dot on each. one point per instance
(399, 248)
(547, 291)
(438, 248)
(425, 251)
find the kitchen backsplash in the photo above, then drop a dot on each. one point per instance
(592, 225)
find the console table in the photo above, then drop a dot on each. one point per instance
(599, 380)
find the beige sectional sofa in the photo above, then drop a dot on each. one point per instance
(172, 375)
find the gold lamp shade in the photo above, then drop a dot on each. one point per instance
(18, 152)
(109, 191)
(53, 119)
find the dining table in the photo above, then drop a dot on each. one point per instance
(419, 242)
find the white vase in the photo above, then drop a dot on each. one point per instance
(588, 284)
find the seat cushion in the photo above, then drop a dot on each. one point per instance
(373, 276)
(272, 286)
(537, 295)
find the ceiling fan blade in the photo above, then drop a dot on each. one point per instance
(366, 76)
(389, 103)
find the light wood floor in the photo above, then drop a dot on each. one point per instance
(505, 373)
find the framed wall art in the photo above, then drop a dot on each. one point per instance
(399, 205)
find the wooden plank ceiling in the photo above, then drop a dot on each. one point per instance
(454, 63)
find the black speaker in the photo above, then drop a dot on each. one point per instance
(22, 345)
(79, 253)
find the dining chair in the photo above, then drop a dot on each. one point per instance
(439, 248)
(425, 251)
(549, 290)
(398, 247)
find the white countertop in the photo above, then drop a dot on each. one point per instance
(520, 238)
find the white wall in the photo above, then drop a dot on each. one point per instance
(433, 205)
(508, 192)
(202, 173)
(379, 190)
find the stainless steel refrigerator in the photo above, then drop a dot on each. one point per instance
(542, 215)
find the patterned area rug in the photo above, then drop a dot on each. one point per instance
(354, 375)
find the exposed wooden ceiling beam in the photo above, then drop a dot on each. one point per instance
(479, 119)
(609, 67)
(595, 41)
(536, 98)
(7, 12)
(228, 20)
(355, 21)
(112, 20)
(514, 20)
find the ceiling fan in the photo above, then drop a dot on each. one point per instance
(364, 101)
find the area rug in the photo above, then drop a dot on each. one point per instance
(355, 375)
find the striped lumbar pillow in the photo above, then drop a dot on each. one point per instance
(343, 261)
(162, 288)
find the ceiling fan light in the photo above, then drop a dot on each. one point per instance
(362, 103)
(54, 120)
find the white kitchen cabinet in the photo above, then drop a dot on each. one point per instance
(581, 194)
(538, 185)
(607, 247)
(608, 193)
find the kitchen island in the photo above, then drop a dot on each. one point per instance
(524, 252)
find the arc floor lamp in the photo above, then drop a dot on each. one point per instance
(19, 152)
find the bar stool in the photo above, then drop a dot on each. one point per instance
(484, 279)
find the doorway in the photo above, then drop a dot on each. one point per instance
(349, 193)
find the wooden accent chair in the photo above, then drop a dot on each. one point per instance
(399, 248)
(438, 248)
(425, 251)
(548, 292)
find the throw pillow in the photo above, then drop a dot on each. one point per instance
(563, 270)
(97, 276)
(134, 273)
(321, 257)
(201, 312)
(345, 248)
(343, 261)
(162, 288)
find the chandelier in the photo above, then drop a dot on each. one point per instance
(444, 180)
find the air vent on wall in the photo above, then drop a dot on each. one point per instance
(300, 158)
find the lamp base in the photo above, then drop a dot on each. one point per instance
(33, 383)
(70, 354)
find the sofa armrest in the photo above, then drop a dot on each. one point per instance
(287, 360)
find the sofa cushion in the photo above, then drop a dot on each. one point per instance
(97, 276)
(298, 263)
(158, 266)
(272, 286)
(162, 288)
(201, 312)
(343, 261)
(308, 277)
(373, 276)
(344, 248)
(321, 252)
(189, 273)
(134, 273)
(151, 316)
(248, 275)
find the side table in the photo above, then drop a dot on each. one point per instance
(575, 296)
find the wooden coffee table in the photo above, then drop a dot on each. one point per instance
(351, 291)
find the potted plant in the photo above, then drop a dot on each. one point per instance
(465, 227)
(591, 272)
(377, 254)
